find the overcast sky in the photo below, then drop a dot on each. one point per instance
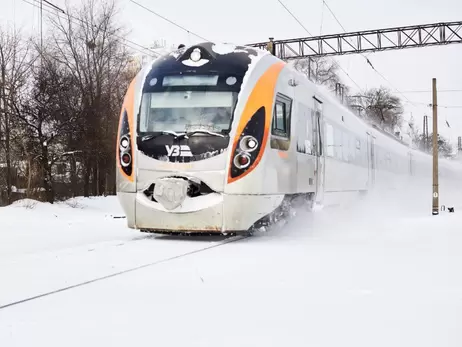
(248, 21)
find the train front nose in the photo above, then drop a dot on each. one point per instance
(177, 202)
(171, 192)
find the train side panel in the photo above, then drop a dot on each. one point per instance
(272, 172)
(126, 175)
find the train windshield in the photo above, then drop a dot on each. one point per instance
(184, 111)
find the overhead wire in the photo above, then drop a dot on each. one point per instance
(381, 75)
(367, 59)
(168, 20)
(120, 39)
(336, 64)
(430, 91)
(322, 20)
(49, 7)
(294, 17)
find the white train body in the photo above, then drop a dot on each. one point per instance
(306, 143)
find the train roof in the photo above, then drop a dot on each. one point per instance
(208, 56)
(240, 60)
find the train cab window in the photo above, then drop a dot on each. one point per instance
(280, 117)
(280, 129)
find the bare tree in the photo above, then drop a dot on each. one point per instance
(383, 108)
(445, 149)
(320, 70)
(60, 105)
(14, 66)
(88, 44)
(45, 109)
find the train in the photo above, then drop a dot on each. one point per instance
(221, 139)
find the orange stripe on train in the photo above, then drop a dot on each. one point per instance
(262, 95)
(128, 105)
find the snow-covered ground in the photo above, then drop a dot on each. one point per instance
(30, 226)
(380, 272)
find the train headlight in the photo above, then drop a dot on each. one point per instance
(124, 148)
(242, 160)
(124, 142)
(248, 143)
(126, 159)
(195, 55)
(248, 146)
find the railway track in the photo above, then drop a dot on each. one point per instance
(59, 266)
(122, 272)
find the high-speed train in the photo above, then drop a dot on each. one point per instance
(217, 138)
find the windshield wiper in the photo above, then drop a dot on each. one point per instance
(189, 133)
(180, 135)
(166, 132)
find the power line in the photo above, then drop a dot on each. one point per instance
(430, 91)
(45, 5)
(439, 106)
(332, 13)
(450, 106)
(117, 36)
(293, 16)
(120, 39)
(378, 72)
(336, 64)
(170, 21)
(50, 5)
(367, 59)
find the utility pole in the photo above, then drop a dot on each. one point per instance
(271, 47)
(425, 133)
(41, 25)
(435, 208)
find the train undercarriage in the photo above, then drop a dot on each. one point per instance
(282, 214)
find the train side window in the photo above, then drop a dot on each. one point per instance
(280, 129)
(281, 118)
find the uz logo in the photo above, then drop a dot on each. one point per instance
(175, 151)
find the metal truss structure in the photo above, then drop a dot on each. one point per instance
(366, 41)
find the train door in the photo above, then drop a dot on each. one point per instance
(370, 160)
(318, 140)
